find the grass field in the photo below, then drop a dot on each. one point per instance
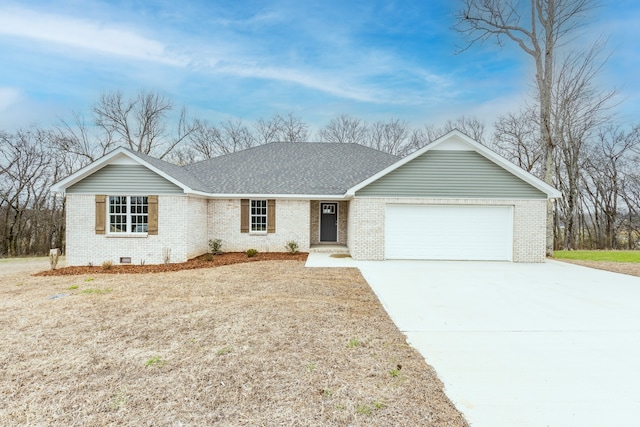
(610, 256)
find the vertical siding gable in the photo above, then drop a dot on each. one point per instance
(125, 179)
(443, 173)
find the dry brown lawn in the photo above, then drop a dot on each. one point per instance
(630, 268)
(267, 343)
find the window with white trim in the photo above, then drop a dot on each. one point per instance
(258, 216)
(128, 214)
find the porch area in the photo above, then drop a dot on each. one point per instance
(330, 256)
(329, 248)
(328, 225)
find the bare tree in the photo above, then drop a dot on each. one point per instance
(269, 130)
(392, 136)
(76, 139)
(235, 136)
(630, 192)
(140, 123)
(294, 129)
(26, 173)
(517, 138)
(470, 126)
(539, 29)
(579, 109)
(346, 129)
(603, 180)
(206, 141)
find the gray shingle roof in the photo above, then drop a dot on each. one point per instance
(307, 168)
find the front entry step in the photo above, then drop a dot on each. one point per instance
(329, 249)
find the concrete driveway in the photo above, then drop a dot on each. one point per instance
(550, 344)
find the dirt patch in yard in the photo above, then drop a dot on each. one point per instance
(262, 343)
(630, 268)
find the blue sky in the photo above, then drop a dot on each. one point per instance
(249, 59)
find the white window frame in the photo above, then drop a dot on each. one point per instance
(264, 226)
(128, 215)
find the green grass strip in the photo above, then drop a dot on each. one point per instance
(612, 256)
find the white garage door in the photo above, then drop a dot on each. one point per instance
(449, 232)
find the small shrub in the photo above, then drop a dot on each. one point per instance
(166, 255)
(70, 288)
(107, 265)
(292, 247)
(394, 372)
(251, 252)
(354, 342)
(215, 245)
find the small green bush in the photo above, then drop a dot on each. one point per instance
(251, 252)
(215, 245)
(292, 247)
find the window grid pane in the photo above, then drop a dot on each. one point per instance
(258, 215)
(117, 207)
(139, 219)
(128, 214)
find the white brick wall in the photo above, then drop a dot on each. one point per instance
(181, 227)
(185, 225)
(292, 223)
(367, 216)
(197, 231)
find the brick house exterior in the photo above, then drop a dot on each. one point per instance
(131, 208)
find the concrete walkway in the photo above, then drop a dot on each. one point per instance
(327, 259)
(550, 344)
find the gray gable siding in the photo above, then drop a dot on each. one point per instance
(451, 174)
(124, 179)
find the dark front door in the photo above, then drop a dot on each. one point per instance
(328, 222)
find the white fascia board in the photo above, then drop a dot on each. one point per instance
(551, 192)
(105, 160)
(278, 196)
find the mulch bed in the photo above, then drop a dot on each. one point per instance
(202, 261)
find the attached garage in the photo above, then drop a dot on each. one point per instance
(447, 232)
(453, 199)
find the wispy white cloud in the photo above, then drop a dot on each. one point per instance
(88, 35)
(304, 54)
(309, 79)
(8, 97)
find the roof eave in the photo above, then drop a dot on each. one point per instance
(276, 196)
